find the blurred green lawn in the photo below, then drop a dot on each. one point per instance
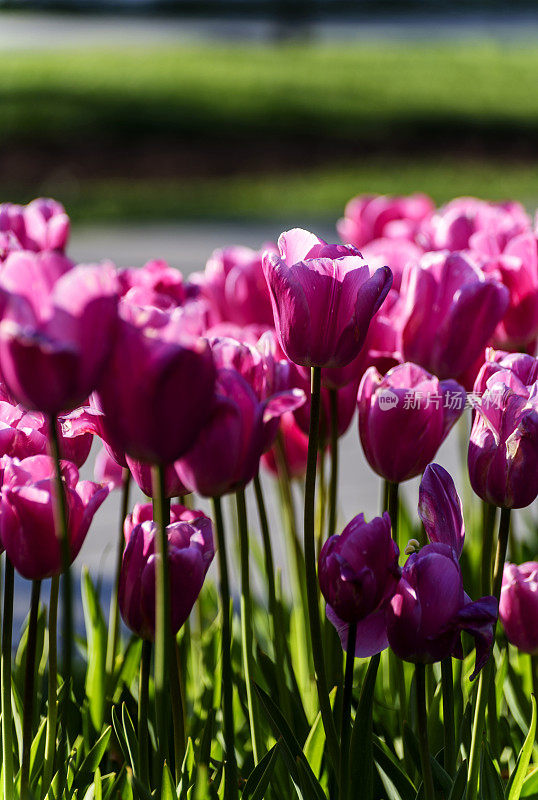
(446, 119)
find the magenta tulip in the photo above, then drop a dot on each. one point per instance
(27, 514)
(503, 448)
(143, 512)
(157, 391)
(372, 217)
(57, 330)
(404, 417)
(518, 606)
(107, 470)
(190, 552)
(451, 311)
(46, 225)
(141, 473)
(323, 298)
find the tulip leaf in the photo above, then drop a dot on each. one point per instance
(530, 784)
(388, 763)
(168, 790)
(37, 752)
(130, 738)
(120, 735)
(361, 753)
(460, 783)
(96, 634)
(309, 782)
(491, 787)
(517, 779)
(259, 778)
(441, 778)
(315, 744)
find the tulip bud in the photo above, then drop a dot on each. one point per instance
(518, 606)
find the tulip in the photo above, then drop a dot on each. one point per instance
(503, 452)
(143, 512)
(518, 605)
(395, 253)
(404, 417)
(190, 552)
(57, 329)
(157, 391)
(234, 285)
(372, 217)
(294, 449)
(451, 311)
(358, 573)
(107, 470)
(429, 609)
(27, 514)
(46, 225)
(323, 298)
(346, 399)
(141, 473)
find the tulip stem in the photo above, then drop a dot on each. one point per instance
(178, 717)
(422, 723)
(333, 485)
(271, 591)
(391, 493)
(246, 616)
(231, 783)
(143, 713)
(7, 714)
(62, 533)
(114, 612)
(311, 576)
(486, 676)
(162, 618)
(489, 512)
(346, 711)
(447, 681)
(29, 681)
(52, 706)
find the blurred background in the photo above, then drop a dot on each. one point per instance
(170, 128)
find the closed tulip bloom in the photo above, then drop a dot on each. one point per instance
(27, 514)
(451, 311)
(518, 606)
(503, 447)
(294, 447)
(46, 225)
(323, 298)
(404, 417)
(141, 473)
(372, 217)
(157, 391)
(190, 552)
(107, 470)
(57, 330)
(429, 608)
(396, 254)
(143, 512)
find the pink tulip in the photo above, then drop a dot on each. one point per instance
(450, 313)
(404, 417)
(373, 217)
(190, 552)
(157, 391)
(143, 512)
(57, 330)
(323, 297)
(27, 514)
(396, 254)
(518, 607)
(46, 225)
(107, 470)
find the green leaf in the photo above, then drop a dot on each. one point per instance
(309, 782)
(517, 779)
(441, 778)
(361, 752)
(530, 784)
(460, 784)
(491, 787)
(37, 752)
(96, 634)
(314, 745)
(207, 738)
(168, 790)
(259, 778)
(387, 761)
(120, 735)
(95, 756)
(130, 738)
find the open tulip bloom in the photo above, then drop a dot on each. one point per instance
(245, 686)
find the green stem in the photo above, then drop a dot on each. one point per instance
(246, 617)
(143, 714)
(178, 718)
(7, 714)
(276, 630)
(29, 682)
(161, 516)
(311, 576)
(114, 612)
(391, 494)
(422, 724)
(346, 711)
(333, 485)
(488, 528)
(52, 705)
(231, 783)
(447, 681)
(486, 676)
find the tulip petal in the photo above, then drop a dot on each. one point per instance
(440, 508)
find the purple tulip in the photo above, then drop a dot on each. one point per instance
(27, 514)
(503, 448)
(57, 330)
(243, 424)
(404, 417)
(143, 512)
(157, 391)
(346, 401)
(451, 311)
(429, 608)
(358, 569)
(190, 552)
(518, 606)
(323, 298)
(372, 217)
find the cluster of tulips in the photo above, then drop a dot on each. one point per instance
(262, 359)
